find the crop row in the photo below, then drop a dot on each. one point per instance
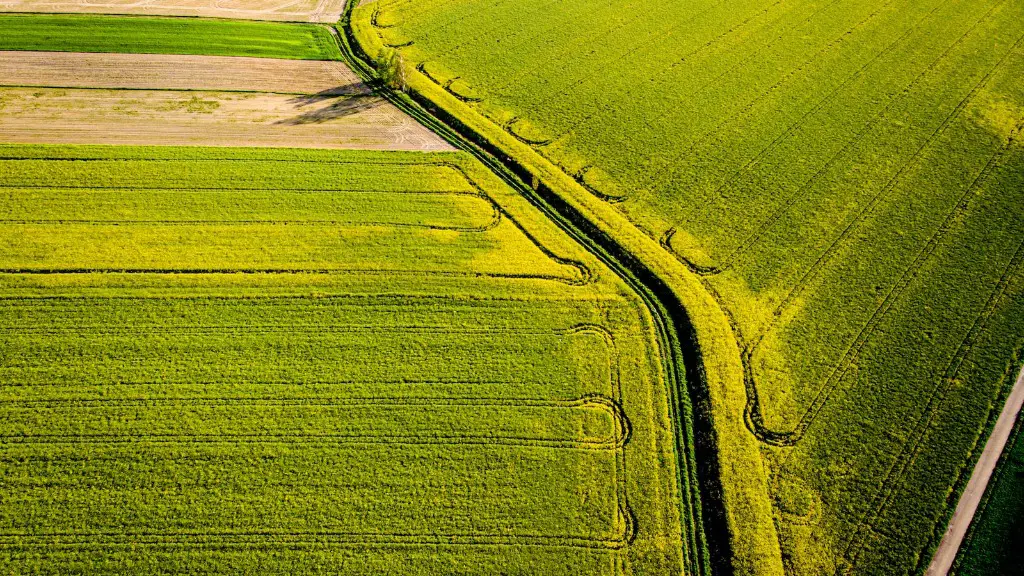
(116, 218)
(592, 423)
(935, 95)
(920, 391)
(197, 488)
(458, 211)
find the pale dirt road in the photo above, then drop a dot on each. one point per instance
(158, 117)
(969, 500)
(328, 11)
(172, 72)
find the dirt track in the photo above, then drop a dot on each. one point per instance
(140, 117)
(284, 10)
(968, 505)
(159, 71)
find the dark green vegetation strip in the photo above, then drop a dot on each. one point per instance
(202, 347)
(993, 544)
(151, 35)
(697, 479)
(846, 177)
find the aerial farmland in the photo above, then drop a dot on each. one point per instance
(522, 287)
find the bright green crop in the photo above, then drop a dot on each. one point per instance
(154, 35)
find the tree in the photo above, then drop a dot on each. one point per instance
(391, 68)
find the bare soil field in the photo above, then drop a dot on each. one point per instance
(140, 117)
(281, 10)
(173, 72)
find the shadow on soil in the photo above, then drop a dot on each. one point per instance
(341, 101)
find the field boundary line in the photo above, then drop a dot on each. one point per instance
(696, 333)
(204, 90)
(290, 271)
(182, 16)
(583, 328)
(361, 539)
(491, 224)
(389, 298)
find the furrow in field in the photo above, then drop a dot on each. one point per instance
(174, 72)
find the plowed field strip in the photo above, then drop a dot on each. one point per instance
(140, 117)
(280, 10)
(174, 72)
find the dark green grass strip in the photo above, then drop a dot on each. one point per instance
(993, 545)
(149, 35)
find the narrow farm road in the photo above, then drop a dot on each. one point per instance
(968, 505)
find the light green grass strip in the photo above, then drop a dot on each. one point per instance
(147, 35)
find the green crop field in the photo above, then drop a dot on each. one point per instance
(154, 35)
(253, 360)
(993, 545)
(270, 360)
(845, 179)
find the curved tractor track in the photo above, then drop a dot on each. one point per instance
(704, 532)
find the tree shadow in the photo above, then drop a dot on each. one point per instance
(344, 103)
(350, 89)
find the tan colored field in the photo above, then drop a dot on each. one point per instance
(139, 117)
(74, 98)
(172, 72)
(284, 10)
